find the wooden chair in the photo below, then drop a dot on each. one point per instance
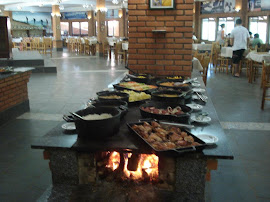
(93, 48)
(205, 64)
(214, 53)
(119, 51)
(27, 43)
(46, 46)
(35, 43)
(265, 83)
(69, 44)
(81, 43)
(106, 48)
(86, 46)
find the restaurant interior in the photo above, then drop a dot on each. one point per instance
(134, 100)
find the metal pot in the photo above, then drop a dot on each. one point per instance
(98, 129)
(124, 96)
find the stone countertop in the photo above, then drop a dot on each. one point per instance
(124, 140)
(15, 71)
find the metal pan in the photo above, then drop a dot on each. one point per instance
(176, 150)
(181, 118)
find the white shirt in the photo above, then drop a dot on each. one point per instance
(219, 37)
(240, 35)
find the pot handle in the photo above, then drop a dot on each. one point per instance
(123, 108)
(68, 118)
(188, 149)
(147, 119)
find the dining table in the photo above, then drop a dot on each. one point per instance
(201, 47)
(259, 57)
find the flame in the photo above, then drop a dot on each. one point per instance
(148, 164)
(114, 161)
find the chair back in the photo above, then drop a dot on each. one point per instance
(47, 42)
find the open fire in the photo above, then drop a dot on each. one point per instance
(135, 166)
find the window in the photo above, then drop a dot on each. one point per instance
(229, 24)
(75, 28)
(79, 28)
(113, 28)
(64, 28)
(84, 28)
(258, 25)
(208, 29)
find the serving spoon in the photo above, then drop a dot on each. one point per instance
(77, 115)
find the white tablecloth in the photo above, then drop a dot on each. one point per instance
(201, 47)
(196, 64)
(17, 40)
(125, 46)
(259, 56)
(111, 43)
(226, 52)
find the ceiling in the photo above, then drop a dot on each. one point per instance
(46, 5)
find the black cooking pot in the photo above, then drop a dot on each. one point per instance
(124, 96)
(98, 129)
(184, 87)
(119, 104)
(177, 99)
(138, 78)
(181, 118)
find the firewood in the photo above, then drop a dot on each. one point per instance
(133, 162)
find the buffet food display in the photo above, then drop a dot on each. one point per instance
(104, 114)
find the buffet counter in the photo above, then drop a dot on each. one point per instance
(13, 93)
(193, 168)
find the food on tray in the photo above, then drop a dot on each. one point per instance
(136, 86)
(174, 77)
(97, 116)
(167, 95)
(135, 96)
(141, 77)
(173, 84)
(169, 111)
(110, 97)
(164, 138)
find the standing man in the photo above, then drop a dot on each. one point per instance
(239, 37)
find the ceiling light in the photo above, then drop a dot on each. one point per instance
(115, 1)
(85, 5)
(40, 5)
(19, 7)
(61, 7)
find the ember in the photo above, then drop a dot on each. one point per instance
(147, 166)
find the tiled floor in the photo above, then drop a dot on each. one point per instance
(24, 175)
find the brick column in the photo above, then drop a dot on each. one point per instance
(101, 26)
(57, 42)
(160, 54)
(91, 23)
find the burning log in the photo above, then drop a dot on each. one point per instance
(133, 162)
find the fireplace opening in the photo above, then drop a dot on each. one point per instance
(137, 167)
(127, 167)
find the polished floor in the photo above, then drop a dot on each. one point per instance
(24, 175)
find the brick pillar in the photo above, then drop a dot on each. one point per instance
(101, 26)
(91, 23)
(57, 42)
(160, 54)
